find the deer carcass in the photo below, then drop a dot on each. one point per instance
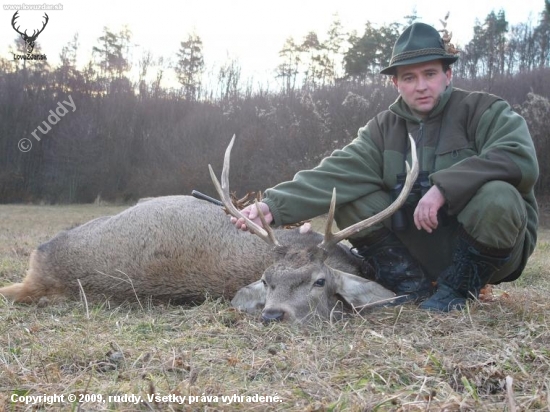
(180, 249)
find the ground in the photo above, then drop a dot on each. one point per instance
(144, 357)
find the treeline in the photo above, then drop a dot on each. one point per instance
(127, 139)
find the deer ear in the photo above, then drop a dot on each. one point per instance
(251, 298)
(358, 291)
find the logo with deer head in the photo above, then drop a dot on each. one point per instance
(29, 40)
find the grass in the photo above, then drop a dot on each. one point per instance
(393, 359)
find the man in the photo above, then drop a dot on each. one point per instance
(472, 218)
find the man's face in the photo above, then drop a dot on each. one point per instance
(421, 85)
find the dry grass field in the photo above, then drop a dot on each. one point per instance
(494, 356)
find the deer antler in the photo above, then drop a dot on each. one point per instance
(332, 238)
(15, 16)
(43, 27)
(34, 32)
(223, 191)
(29, 40)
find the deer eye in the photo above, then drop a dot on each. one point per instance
(319, 283)
(264, 283)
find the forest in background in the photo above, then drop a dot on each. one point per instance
(136, 137)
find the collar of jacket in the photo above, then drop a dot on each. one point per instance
(400, 108)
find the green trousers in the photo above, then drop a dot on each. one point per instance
(495, 217)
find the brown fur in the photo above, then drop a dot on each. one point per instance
(173, 248)
(35, 285)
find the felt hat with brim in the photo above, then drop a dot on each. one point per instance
(419, 43)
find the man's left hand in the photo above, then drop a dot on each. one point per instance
(425, 214)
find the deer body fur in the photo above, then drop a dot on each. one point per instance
(175, 248)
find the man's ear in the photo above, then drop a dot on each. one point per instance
(449, 74)
(358, 291)
(394, 80)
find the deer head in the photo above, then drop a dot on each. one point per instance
(300, 283)
(29, 40)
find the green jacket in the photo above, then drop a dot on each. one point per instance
(468, 139)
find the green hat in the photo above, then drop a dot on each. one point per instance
(419, 43)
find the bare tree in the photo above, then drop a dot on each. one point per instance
(290, 67)
(334, 47)
(541, 36)
(229, 77)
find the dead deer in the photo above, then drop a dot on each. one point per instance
(302, 282)
(173, 249)
(180, 249)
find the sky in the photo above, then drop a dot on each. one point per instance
(250, 31)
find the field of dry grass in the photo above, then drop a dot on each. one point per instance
(494, 356)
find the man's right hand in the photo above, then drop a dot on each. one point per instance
(251, 212)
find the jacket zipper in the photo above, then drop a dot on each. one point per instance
(420, 143)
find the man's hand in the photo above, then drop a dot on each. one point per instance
(425, 214)
(251, 212)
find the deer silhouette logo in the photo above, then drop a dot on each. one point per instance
(29, 40)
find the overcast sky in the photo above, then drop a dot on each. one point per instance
(251, 31)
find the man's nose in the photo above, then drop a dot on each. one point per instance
(421, 84)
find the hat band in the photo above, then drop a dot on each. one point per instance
(416, 53)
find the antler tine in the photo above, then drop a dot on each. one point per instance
(270, 233)
(223, 190)
(332, 238)
(35, 32)
(44, 24)
(13, 19)
(330, 220)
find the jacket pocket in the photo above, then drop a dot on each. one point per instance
(453, 152)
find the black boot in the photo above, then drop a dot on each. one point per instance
(394, 267)
(472, 267)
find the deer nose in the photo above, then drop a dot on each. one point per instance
(272, 315)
